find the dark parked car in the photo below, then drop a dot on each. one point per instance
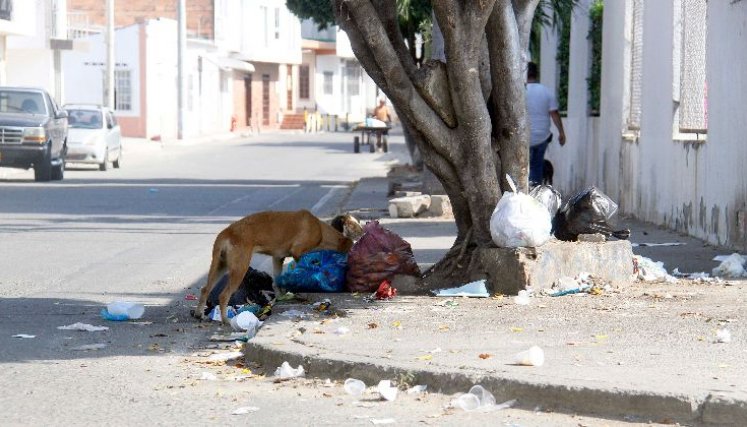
(33, 132)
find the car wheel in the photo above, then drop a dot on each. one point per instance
(105, 164)
(118, 163)
(58, 171)
(43, 169)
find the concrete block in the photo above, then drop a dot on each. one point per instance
(440, 205)
(408, 207)
(509, 270)
(401, 193)
(592, 238)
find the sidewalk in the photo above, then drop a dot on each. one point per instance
(645, 352)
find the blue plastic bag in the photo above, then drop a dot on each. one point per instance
(316, 271)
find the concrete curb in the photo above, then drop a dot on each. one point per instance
(633, 405)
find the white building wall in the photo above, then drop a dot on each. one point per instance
(654, 173)
(84, 68)
(28, 59)
(251, 32)
(161, 71)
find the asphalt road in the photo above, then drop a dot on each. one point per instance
(143, 233)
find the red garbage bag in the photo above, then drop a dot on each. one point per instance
(379, 255)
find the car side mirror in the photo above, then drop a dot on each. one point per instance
(61, 115)
(110, 125)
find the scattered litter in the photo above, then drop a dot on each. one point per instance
(723, 336)
(252, 308)
(522, 298)
(650, 245)
(386, 390)
(519, 220)
(722, 258)
(418, 389)
(588, 212)
(354, 387)
(479, 399)
(190, 297)
(385, 291)
(82, 327)
(89, 347)
(476, 289)
(122, 310)
(215, 314)
(425, 357)
(225, 357)
(532, 357)
(484, 356)
(342, 330)
(294, 313)
(649, 271)
(285, 371)
(233, 336)
(245, 410)
(246, 321)
(27, 336)
(208, 376)
(731, 267)
(378, 421)
(583, 283)
(153, 190)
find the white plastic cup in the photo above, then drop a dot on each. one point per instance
(130, 309)
(468, 402)
(354, 387)
(532, 357)
(486, 398)
(245, 321)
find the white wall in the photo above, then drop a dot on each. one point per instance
(24, 19)
(161, 71)
(656, 175)
(247, 28)
(83, 69)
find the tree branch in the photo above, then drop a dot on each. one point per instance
(399, 87)
(508, 94)
(387, 11)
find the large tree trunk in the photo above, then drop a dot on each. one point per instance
(466, 113)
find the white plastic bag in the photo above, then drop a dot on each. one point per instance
(519, 220)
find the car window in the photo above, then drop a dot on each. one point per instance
(22, 102)
(84, 119)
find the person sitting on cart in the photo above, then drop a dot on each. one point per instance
(381, 112)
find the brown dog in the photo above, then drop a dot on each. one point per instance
(277, 234)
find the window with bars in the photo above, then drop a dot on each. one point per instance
(303, 83)
(328, 78)
(122, 89)
(636, 57)
(352, 76)
(693, 107)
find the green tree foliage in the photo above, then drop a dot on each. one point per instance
(596, 12)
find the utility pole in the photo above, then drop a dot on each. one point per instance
(181, 19)
(109, 90)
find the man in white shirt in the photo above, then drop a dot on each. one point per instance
(542, 105)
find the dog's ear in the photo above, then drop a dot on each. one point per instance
(352, 228)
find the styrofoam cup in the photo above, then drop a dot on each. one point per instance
(132, 310)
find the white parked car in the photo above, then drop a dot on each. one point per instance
(93, 137)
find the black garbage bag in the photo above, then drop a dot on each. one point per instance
(250, 290)
(588, 212)
(548, 196)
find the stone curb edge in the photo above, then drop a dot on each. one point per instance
(631, 405)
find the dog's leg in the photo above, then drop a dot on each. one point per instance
(237, 262)
(277, 268)
(217, 268)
